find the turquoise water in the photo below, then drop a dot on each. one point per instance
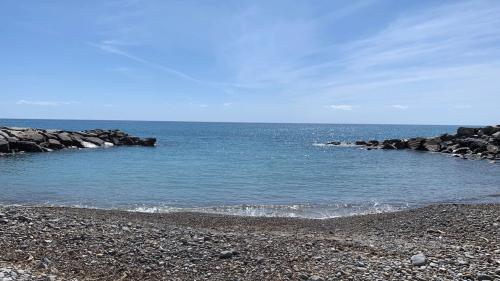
(246, 169)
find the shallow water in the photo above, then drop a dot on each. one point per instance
(246, 169)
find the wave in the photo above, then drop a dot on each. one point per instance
(294, 210)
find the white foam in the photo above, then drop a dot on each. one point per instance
(292, 211)
(108, 144)
(88, 144)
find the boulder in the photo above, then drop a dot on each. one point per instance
(466, 132)
(148, 142)
(400, 144)
(55, 144)
(26, 146)
(475, 144)
(4, 146)
(333, 143)
(433, 144)
(493, 149)
(373, 143)
(447, 137)
(461, 150)
(128, 140)
(28, 135)
(4, 134)
(488, 130)
(94, 140)
(360, 143)
(65, 139)
(416, 143)
(388, 146)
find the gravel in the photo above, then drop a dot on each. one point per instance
(458, 242)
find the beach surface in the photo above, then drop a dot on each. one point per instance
(438, 242)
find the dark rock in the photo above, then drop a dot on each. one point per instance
(54, 144)
(148, 142)
(4, 134)
(361, 143)
(393, 144)
(461, 150)
(38, 140)
(401, 144)
(416, 143)
(333, 143)
(373, 143)
(26, 146)
(28, 135)
(488, 130)
(387, 146)
(484, 277)
(226, 254)
(474, 144)
(94, 140)
(466, 132)
(493, 149)
(65, 139)
(447, 137)
(128, 140)
(4, 146)
(433, 144)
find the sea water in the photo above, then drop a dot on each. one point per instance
(245, 169)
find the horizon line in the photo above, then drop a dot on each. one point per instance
(243, 122)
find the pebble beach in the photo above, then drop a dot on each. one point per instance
(438, 242)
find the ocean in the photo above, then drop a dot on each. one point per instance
(250, 169)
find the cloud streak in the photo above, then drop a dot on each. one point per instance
(400, 107)
(44, 103)
(116, 48)
(341, 107)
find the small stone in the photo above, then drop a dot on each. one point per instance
(484, 277)
(226, 254)
(303, 276)
(315, 278)
(418, 259)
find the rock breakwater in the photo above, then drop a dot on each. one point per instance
(467, 143)
(16, 140)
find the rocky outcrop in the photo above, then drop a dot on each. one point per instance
(467, 143)
(14, 140)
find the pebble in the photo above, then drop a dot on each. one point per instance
(226, 254)
(419, 259)
(315, 278)
(200, 247)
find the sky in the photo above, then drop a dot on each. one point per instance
(391, 62)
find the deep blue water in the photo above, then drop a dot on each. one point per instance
(250, 169)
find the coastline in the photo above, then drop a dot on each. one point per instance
(459, 241)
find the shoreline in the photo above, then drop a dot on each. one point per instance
(60, 243)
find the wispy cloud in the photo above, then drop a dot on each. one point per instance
(118, 48)
(340, 107)
(227, 104)
(441, 44)
(401, 107)
(44, 103)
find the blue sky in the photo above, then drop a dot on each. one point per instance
(403, 62)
